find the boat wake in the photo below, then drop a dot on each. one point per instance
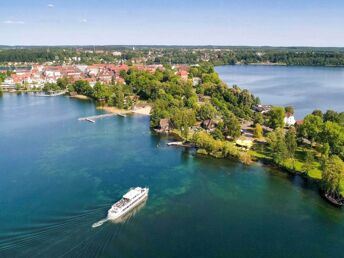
(99, 223)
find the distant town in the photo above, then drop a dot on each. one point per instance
(36, 76)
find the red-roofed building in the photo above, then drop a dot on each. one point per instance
(118, 68)
(299, 122)
(183, 74)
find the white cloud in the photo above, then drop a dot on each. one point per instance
(83, 20)
(51, 5)
(13, 22)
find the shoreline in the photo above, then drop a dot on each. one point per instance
(145, 110)
(81, 97)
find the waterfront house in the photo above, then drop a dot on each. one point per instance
(196, 81)
(209, 124)
(299, 122)
(105, 76)
(289, 119)
(262, 108)
(164, 125)
(183, 74)
(118, 68)
(8, 83)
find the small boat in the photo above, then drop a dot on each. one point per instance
(339, 202)
(129, 201)
(175, 143)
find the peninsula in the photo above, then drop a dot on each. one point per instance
(194, 104)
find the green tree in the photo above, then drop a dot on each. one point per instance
(312, 128)
(62, 83)
(83, 87)
(333, 174)
(318, 113)
(332, 116)
(258, 118)
(276, 140)
(182, 119)
(49, 87)
(276, 117)
(123, 74)
(308, 164)
(118, 99)
(217, 134)
(101, 91)
(290, 140)
(258, 131)
(289, 109)
(206, 111)
(333, 134)
(232, 126)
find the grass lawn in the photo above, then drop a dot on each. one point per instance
(260, 153)
(297, 164)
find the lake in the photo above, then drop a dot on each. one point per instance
(305, 88)
(59, 175)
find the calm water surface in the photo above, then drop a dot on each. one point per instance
(305, 88)
(58, 176)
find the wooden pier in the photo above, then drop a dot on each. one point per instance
(94, 118)
(181, 144)
(52, 94)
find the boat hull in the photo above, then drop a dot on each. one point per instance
(115, 216)
(330, 199)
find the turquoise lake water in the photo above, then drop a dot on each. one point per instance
(305, 88)
(58, 176)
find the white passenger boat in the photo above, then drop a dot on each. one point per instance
(130, 200)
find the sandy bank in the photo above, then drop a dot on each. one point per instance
(146, 110)
(78, 96)
(115, 110)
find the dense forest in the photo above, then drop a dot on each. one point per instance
(177, 55)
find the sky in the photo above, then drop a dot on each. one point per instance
(174, 22)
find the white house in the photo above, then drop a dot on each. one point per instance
(196, 81)
(289, 119)
(8, 83)
(117, 53)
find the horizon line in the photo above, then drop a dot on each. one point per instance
(167, 45)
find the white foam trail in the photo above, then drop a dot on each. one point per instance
(99, 223)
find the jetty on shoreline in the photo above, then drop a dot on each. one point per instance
(94, 118)
(181, 144)
(117, 112)
(52, 94)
